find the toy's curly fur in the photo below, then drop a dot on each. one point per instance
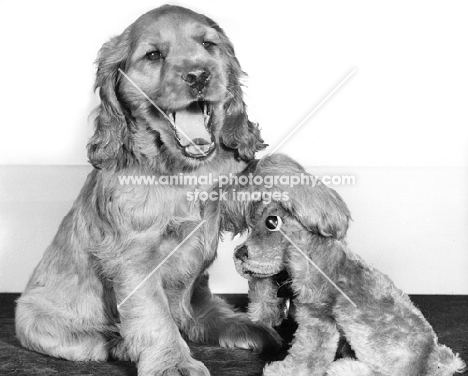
(388, 334)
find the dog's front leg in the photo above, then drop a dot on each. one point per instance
(150, 335)
(264, 305)
(313, 348)
(217, 322)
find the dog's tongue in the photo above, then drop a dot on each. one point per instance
(190, 124)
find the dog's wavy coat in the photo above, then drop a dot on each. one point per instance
(388, 334)
(116, 234)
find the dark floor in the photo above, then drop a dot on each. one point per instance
(447, 314)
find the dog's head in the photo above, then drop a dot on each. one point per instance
(170, 87)
(278, 215)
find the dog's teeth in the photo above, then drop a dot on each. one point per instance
(207, 122)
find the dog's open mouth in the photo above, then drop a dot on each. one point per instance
(193, 131)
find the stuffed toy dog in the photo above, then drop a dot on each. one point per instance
(300, 229)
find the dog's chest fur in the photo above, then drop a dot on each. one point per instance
(166, 211)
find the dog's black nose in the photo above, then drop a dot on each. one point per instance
(197, 79)
(242, 253)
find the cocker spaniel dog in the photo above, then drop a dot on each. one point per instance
(334, 291)
(171, 105)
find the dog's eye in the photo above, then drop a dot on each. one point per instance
(207, 44)
(273, 222)
(153, 55)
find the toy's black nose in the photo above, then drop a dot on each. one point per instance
(242, 253)
(197, 79)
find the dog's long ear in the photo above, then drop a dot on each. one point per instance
(320, 209)
(110, 123)
(229, 210)
(231, 207)
(236, 205)
(238, 132)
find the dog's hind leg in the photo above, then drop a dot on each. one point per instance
(47, 331)
(217, 322)
(64, 311)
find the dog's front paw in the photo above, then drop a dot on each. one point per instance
(248, 335)
(191, 367)
(187, 367)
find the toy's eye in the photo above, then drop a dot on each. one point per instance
(273, 223)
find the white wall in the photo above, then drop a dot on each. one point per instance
(399, 124)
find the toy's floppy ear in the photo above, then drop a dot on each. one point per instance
(319, 209)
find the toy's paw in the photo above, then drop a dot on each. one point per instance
(348, 367)
(272, 321)
(285, 368)
(273, 369)
(269, 315)
(249, 335)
